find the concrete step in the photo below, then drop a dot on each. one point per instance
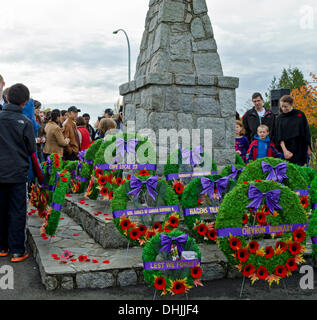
(125, 268)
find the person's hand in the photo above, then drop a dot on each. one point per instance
(38, 140)
(67, 140)
(43, 140)
(238, 152)
(288, 154)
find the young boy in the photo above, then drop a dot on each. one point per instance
(262, 146)
(17, 144)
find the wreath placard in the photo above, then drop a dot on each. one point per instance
(255, 210)
(166, 266)
(148, 198)
(200, 202)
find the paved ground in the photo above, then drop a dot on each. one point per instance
(28, 286)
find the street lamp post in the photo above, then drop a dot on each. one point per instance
(129, 50)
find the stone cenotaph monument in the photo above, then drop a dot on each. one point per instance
(179, 81)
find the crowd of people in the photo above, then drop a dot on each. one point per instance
(260, 133)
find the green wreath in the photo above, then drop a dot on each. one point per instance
(271, 263)
(312, 228)
(294, 181)
(232, 170)
(239, 160)
(52, 218)
(169, 279)
(202, 224)
(138, 230)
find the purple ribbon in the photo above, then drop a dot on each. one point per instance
(128, 146)
(277, 173)
(208, 186)
(56, 206)
(81, 155)
(201, 210)
(122, 166)
(49, 163)
(189, 175)
(171, 265)
(89, 161)
(272, 198)
(192, 157)
(301, 193)
(314, 206)
(136, 186)
(258, 230)
(235, 172)
(166, 243)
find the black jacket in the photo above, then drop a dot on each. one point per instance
(251, 121)
(17, 143)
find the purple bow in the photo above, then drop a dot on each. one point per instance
(166, 243)
(192, 157)
(136, 186)
(208, 186)
(79, 166)
(277, 173)
(128, 146)
(272, 198)
(235, 172)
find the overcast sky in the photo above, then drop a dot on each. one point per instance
(65, 52)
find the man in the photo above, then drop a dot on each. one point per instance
(70, 132)
(90, 129)
(17, 144)
(256, 116)
(108, 113)
(2, 84)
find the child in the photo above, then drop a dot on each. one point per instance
(17, 143)
(262, 146)
(242, 142)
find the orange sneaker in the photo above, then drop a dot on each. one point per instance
(4, 253)
(18, 257)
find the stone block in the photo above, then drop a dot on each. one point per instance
(67, 283)
(224, 156)
(180, 48)
(230, 132)
(187, 80)
(197, 28)
(207, 24)
(141, 119)
(94, 280)
(159, 78)
(129, 112)
(228, 82)
(227, 99)
(161, 37)
(159, 63)
(206, 80)
(127, 278)
(124, 89)
(50, 283)
(171, 11)
(208, 63)
(205, 105)
(180, 67)
(185, 121)
(173, 100)
(158, 120)
(205, 45)
(218, 131)
(213, 271)
(199, 6)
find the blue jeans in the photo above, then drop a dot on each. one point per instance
(12, 217)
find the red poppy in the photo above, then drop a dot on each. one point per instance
(294, 248)
(160, 283)
(212, 235)
(304, 201)
(98, 173)
(119, 181)
(142, 229)
(106, 261)
(128, 176)
(299, 235)
(262, 272)
(199, 201)
(102, 180)
(266, 210)
(280, 271)
(82, 258)
(245, 219)
(134, 234)
(110, 195)
(173, 221)
(95, 261)
(157, 226)
(196, 272)
(110, 177)
(282, 245)
(125, 224)
(299, 115)
(269, 252)
(261, 217)
(243, 255)
(291, 264)
(64, 179)
(56, 164)
(178, 287)
(253, 246)
(178, 187)
(245, 182)
(202, 229)
(150, 234)
(62, 175)
(104, 191)
(144, 172)
(258, 180)
(248, 270)
(235, 243)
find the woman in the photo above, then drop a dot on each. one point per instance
(55, 141)
(83, 134)
(106, 125)
(292, 132)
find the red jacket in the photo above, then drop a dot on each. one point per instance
(85, 138)
(253, 151)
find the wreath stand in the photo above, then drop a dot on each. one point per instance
(155, 292)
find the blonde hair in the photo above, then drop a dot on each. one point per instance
(239, 123)
(263, 126)
(106, 124)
